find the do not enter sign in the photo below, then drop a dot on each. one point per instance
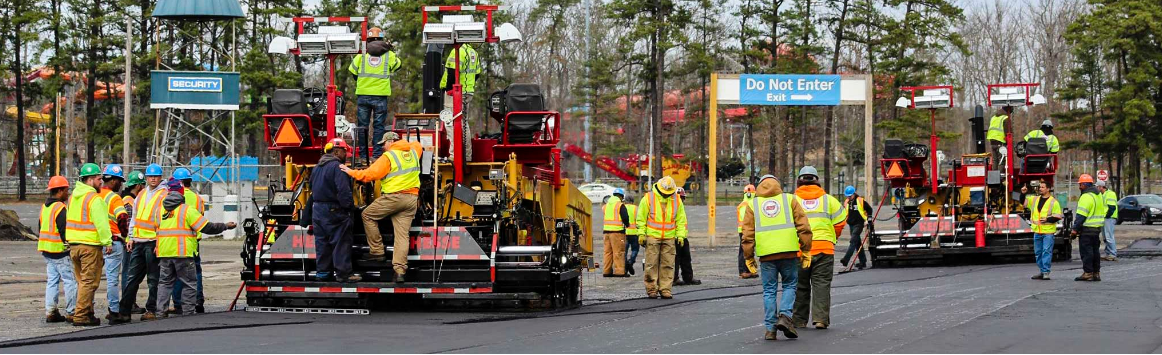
(1103, 175)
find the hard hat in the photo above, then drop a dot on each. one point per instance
(666, 185)
(1084, 178)
(1035, 183)
(90, 169)
(135, 178)
(375, 32)
(153, 170)
(749, 188)
(768, 176)
(808, 170)
(1101, 183)
(1047, 123)
(114, 170)
(181, 174)
(388, 137)
(336, 143)
(619, 191)
(57, 182)
(849, 190)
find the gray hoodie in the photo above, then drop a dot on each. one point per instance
(174, 200)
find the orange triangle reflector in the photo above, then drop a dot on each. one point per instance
(894, 171)
(288, 134)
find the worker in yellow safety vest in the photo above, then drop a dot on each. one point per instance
(112, 180)
(1044, 214)
(661, 218)
(747, 268)
(1107, 230)
(632, 243)
(1087, 224)
(178, 232)
(469, 68)
(1046, 132)
(857, 217)
(373, 70)
(52, 245)
(89, 236)
(398, 173)
(615, 223)
(195, 201)
(777, 231)
(827, 217)
(999, 127)
(143, 264)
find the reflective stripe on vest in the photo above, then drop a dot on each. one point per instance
(997, 128)
(1111, 199)
(146, 214)
(176, 237)
(658, 220)
(114, 211)
(1036, 215)
(405, 173)
(612, 220)
(741, 211)
(383, 74)
(80, 228)
(632, 210)
(50, 239)
(823, 218)
(774, 225)
(1092, 209)
(859, 207)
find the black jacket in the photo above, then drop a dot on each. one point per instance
(330, 185)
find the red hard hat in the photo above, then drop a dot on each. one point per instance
(336, 143)
(57, 181)
(1084, 178)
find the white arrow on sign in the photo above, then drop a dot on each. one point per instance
(807, 97)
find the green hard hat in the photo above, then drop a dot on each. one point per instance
(90, 169)
(135, 178)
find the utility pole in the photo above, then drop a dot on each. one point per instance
(588, 172)
(128, 90)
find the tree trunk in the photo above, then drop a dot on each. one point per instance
(19, 74)
(828, 125)
(91, 57)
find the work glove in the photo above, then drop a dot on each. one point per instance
(680, 241)
(805, 259)
(641, 240)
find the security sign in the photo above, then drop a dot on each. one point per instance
(770, 208)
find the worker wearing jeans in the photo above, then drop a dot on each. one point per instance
(771, 272)
(1044, 213)
(632, 244)
(1107, 230)
(776, 229)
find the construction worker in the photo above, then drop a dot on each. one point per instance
(683, 264)
(1087, 225)
(142, 244)
(613, 232)
(112, 180)
(373, 88)
(780, 236)
(1107, 230)
(1046, 132)
(1028, 199)
(52, 245)
(632, 244)
(129, 193)
(999, 127)
(177, 244)
(331, 214)
(398, 173)
(1044, 214)
(87, 230)
(747, 268)
(827, 218)
(857, 217)
(661, 218)
(469, 68)
(193, 200)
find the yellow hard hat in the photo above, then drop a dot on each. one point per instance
(666, 185)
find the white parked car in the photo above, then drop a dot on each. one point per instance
(597, 193)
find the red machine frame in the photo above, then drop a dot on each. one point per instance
(1011, 176)
(932, 138)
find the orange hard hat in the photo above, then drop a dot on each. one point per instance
(57, 181)
(748, 188)
(375, 32)
(1085, 178)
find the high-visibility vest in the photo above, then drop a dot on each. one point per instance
(612, 209)
(824, 213)
(81, 227)
(997, 128)
(658, 216)
(405, 172)
(741, 210)
(50, 239)
(146, 213)
(1031, 201)
(632, 210)
(177, 235)
(1111, 199)
(774, 228)
(374, 73)
(1050, 140)
(116, 209)
(192, 199)
(1093, 208)
(469, 67)
(858, 206)
(1036, 215)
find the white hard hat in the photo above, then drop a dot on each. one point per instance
(1047, 123)
(1101, 183)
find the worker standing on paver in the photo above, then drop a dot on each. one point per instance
(1045, 213)
(469, 68)
(142, 244)
(372, 89)
(194, 201)
(129, 193)
(112, 180)
(87, 230)
(1091, 211)
(616, 221)
(776, 229)
(632, 244)
(52, 245)
(177, 244)
(661, 218)
(857, 217)
(999, 126)
(398, 172)
(827, 217)
(1046, 132)
(747, 268)
(331, 207)
(1107, 230)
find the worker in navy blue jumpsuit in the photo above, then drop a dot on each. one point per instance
(331, 214)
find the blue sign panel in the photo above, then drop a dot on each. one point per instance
(194, 90)
(788, 90)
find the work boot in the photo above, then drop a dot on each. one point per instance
(694, 282)
(323, 276)
(1109, 258)
(820, 325)
(748, 275)
(199, 309)
(117, 318)
(786, 327)
(149, 316)
(667, 295)
(1038, 276)
(351, 278)
(1096, 276)
(54, 317)
(1085, 276)
(397, 278)
(770, 335)
(629, 269)
(86, 321)
(173, 310)
(799, 325)
(376, 257)
(137, 309)
(1045, 276)
(652, 295)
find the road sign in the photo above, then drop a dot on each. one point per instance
(1103, 175)
(789, 90)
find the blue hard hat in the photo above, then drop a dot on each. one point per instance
(153, 170)
(619, 191)
(114, 170)
(849, 190)
(181, 174)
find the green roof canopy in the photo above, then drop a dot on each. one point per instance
(198, 9)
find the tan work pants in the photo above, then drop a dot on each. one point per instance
(659, 265)
(88, 263)
(402, 209)
(613, 262)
